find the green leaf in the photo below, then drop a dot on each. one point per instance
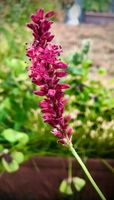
(13, 136)
(10, 167)
(23, 138)
(9, 135)
(18, 156)
(79, 183)
(65, 187)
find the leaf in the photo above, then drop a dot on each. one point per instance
(18, 156)
(23, 138)
(13, 136)
(9, 135)
(10, 167)
(79, 183)
(65, 187)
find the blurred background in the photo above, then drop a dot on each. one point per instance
(85, 29)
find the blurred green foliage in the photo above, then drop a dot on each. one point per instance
(97, 5)
(91, 105)
(20, 10)
(22, 131)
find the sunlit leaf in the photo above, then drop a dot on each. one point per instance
(79, 183)
(65, 188)
(9, 135)
(10, 167)
(18, 156)
(22, 138)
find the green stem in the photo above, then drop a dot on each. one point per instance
(70, 170)
(108, 165)
(86, 171)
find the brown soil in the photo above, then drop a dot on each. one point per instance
(101, 37)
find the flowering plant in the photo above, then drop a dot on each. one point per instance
(46, 71)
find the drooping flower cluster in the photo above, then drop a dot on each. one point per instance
(46, 71)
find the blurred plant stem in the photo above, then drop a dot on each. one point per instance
(70, 170)
(108, 165)
(86, 171)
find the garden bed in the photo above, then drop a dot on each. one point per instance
(99, 18)
(40, 178)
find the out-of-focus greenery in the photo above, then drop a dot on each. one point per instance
(97, 5)
(20, 10)
(89, 5)
(91, 105)
(22, 131)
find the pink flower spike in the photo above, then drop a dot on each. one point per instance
(46, 72)
(50, 14)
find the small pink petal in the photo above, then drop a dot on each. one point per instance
(61, 74)
(62, 141)
(50, 14)
(40, 13)
(57, 133)
(50, 38)
(30, 25)
(61, 65)
(67, 118)
(63, 86)
(64, 101)
(69, 132)
(34, 18)
(39, 92)
(44, 104)
(51, 92)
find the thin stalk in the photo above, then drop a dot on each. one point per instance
(70, 170)
(86, 171)
(108, 165)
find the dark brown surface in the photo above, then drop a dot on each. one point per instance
(99, 18)
(39, 179)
